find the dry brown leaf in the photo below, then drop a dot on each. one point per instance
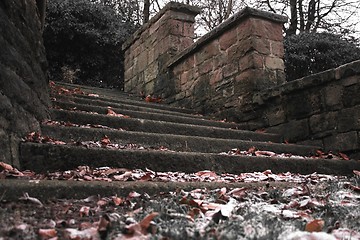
(47, 233)
(5, 166)
(315, 226)
(356, 172)
(145, 223)
(265, 153)
(344, 156)
(84, 211)
(105, 141)
(117, 200)
(206, 173)
(86, 234)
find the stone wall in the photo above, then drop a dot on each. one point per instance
(322, 109)
(24, 98)
(219, 71)
(242, 55)
(153, 45)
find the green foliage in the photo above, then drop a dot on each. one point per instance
(83, 42)
(310, 53)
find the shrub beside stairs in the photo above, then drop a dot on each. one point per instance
(103, 127)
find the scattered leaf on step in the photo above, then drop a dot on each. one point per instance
(47, 233)
(315, 226)
(344, 156)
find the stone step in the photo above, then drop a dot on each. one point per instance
(124, 106)
(116, 96)
(163, 116)
(48, 157)
(151, 126)
(175, 142)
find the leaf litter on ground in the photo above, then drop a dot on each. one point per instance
(318, 207)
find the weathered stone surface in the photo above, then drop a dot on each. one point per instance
(342, 142)
(23, 86)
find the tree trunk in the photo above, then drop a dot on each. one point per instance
(146, 12)
(293, 18)
(311, 15)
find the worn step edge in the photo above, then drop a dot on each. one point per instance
(166, 117)
(145, 125)
(100, 103)
(47, 157)
(173, 142)
(43, 190)
(111, 96)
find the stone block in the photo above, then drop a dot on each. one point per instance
(238, 50)
(175, 27)
(266, 29)
(303, 104)
(277, 49)
(349, 119)
(261, 45)
(185, 77)
(207, 52)
(351, 96)
(274, 63)
(216, 76)
(244, 29)
(251, 61)
(323, 122)
(227, 39)
(151, 72)
(342, 142)
(293, 131)
(230, 69)
(275, 115)
(205, 67)
(333, 97)
(189, 30)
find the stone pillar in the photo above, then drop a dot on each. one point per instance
(225, 67)
(151, 47)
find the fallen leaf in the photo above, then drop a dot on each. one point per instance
(86, 234)
(265, 153)
(315, 226)
(105, 141)
(6, 166)
(84, 211)
(356, 172)
(145, 222)
(33, 200)
(206, 174)
(344, 156)
(47, 233)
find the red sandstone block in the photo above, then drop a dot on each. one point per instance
(251, 60)
(188, 29)
(142, 61)
(175, 27)
(274, 63)
(216, 76)
(267, 29)
(261, 45)
(205, 67)
(244, 29)
(227, 39)
(230, 68)
(277, 48)
(207, 52)
(220, 60)
(184, 77)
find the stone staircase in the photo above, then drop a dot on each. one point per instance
(103, 127)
